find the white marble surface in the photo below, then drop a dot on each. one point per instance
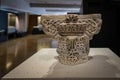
(103, 64)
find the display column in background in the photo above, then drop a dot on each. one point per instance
(22, 23)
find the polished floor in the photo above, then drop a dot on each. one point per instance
(15, 51)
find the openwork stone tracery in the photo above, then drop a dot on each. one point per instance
(73, 33)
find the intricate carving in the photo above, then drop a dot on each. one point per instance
(71, 19)
(73, 33)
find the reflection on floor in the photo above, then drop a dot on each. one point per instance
(14, 52)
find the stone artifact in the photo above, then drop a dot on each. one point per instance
(73, 33)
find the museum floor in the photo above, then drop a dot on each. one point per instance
(15, 51)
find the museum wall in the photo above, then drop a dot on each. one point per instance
(108, 36)
(3, 20)
(3, 25)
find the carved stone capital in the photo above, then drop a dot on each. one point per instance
(73, 33)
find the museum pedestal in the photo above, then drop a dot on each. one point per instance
(43, 65)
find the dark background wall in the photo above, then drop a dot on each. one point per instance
(3, 25)
(3, 20)
(109, 34)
